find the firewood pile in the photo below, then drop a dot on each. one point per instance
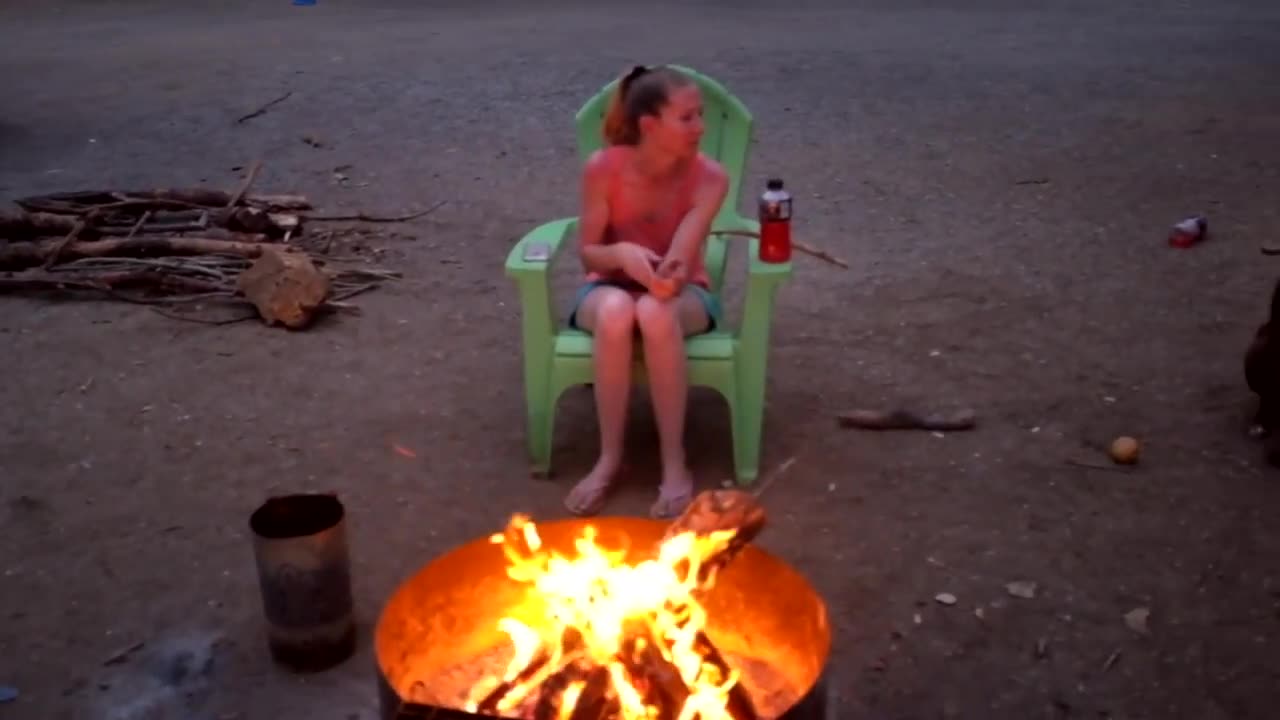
(184, 247)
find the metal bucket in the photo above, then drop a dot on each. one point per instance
(304, 574)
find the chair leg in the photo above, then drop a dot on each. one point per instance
(541, 425)
(540, 417)
(748, 420)
(747, 425)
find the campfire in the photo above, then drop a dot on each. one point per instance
(613, 619)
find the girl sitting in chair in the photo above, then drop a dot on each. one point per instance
(648, 200)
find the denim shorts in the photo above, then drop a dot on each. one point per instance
(710, 302)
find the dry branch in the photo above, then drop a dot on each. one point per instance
(901, 419)
(86, 201)
(20, 255)
(249, 116)
(249, 177)
(35, 225)
(361, 217)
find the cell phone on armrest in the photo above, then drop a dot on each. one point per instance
(537, 252)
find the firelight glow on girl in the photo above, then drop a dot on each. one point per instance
(648, 200)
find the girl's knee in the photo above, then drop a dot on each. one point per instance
(616, 313)
(655, 316)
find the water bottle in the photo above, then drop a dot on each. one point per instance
(775, 223)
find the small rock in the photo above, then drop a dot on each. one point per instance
(1022, 589)
(945, 598)
(1042, 648)
(1136, 619)
(978, 613)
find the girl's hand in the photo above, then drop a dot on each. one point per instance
(669, 278)
(637, 262)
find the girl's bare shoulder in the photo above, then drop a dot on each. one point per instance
(711, 171)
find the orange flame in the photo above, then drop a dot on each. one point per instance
(595, 606)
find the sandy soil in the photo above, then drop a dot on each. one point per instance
(1000, 174)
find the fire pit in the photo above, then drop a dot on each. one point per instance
(605, 619)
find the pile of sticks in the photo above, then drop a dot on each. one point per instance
(170, 247)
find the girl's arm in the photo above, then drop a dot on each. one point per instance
(692, 231)
(594, 218)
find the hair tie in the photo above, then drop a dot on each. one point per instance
(631, 76)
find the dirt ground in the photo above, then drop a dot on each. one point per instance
(1000, 174)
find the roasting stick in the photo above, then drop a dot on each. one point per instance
(798, 245)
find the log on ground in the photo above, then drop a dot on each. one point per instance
(22, 255)
(285, 287)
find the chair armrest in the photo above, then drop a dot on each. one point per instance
(533, 281)
(553, 234)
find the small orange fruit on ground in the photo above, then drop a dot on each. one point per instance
(1124, 450)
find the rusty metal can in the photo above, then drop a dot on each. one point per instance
(1188, 232)
(304, 575)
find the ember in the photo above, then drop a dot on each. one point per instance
(611, 619)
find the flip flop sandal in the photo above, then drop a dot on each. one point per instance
(669, 507)
(590, 502)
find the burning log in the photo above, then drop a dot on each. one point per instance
(659, 656)
(740, 706)
(583, 687)
(643, 659)
(491, 703)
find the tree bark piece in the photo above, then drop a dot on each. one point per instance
(285, 287)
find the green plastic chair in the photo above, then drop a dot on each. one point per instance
(733, 363)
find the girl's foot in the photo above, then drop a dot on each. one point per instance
(674, 495)
(588, 496)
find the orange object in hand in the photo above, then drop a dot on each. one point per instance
(669, 279)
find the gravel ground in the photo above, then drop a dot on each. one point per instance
(1000, 175)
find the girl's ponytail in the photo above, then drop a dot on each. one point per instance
(620, 126)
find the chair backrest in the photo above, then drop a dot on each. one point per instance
(727, 139)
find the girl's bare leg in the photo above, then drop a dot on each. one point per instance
(664, 326)
(609, 314)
